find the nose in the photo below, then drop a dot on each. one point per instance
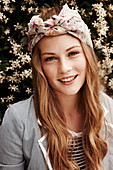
(64, 65)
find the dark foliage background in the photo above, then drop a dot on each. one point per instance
(15, 69)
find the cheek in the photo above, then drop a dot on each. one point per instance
(83, 59)
(49, 72)
(81, 65)
(83, 69)
(84, 65)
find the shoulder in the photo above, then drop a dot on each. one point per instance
(105, 97)
(107, 102)
(19, 115)
(23, 106)
(20, 110)
(107, 105)
(107, 129)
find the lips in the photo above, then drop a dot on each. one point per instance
(67, 79)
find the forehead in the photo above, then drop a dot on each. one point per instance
(58, 42)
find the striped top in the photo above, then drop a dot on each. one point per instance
(78, 153)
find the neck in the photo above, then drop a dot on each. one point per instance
(70, 103)
(73, 111)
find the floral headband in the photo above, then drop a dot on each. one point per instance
(68, 21)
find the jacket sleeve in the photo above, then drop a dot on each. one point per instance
(107, 104)
(11, 134)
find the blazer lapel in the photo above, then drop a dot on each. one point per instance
(43, 146)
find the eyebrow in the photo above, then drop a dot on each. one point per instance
(48, 53)
(72, 47)
(51, 53)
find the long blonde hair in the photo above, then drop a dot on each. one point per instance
(48, 111)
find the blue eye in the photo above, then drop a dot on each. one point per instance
(73, 53)
(50, 59)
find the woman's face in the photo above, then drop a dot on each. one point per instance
(63, 63)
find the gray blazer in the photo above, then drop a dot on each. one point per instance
(22, 147)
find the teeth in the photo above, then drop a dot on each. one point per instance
(67, 79)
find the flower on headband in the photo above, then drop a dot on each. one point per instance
(34, 22)
(50, 22)
(68, 21)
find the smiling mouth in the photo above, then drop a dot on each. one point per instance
(67, 79)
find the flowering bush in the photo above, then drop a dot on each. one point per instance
(15, 70)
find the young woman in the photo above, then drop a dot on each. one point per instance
(68, 122)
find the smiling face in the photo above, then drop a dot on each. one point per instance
(63, 63)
